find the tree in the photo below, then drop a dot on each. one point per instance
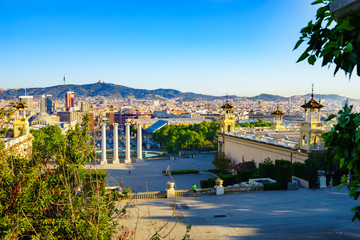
(222, 162)
(62, 201)
(344, 141)
(338, 41)
(332, 40)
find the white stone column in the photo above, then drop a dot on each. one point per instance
(127, 143)
(139, 144)
(116, 144)
(103, 144)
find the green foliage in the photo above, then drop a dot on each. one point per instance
(126, 191)
(178, 137)
(332, 40)
(274, 186)
(343, 140)
(243, 175)
(258, 123)
(228, 179)
(267, 170)
(299, 170)
(204, 184)
(94, 179)
(43, 201)
(282, 171)
(221, 161)
(177, 172)
(316, 161)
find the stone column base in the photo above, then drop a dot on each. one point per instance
(219, 190)
(116, 162)
(127, 160)
(170, 193)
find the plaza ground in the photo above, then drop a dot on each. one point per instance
(298, 214)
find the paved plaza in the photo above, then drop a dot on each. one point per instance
(299, 214)
(148, 176)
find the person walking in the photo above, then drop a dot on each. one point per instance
(194, 189)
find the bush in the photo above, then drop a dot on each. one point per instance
(126, 191)
(273, 186)
(211, 182)
(92, 180)
(204, 184)
(298, 170)
(282, 171)
(243, 175)
(228, 179)
(267, 170)
(222, 162)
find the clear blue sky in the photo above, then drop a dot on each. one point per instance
(217, 47)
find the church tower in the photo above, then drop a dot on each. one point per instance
(21, 124)
(228, 119)
(278, 123)
(312, 128)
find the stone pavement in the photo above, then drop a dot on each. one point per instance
(148, 176)
(299, 214)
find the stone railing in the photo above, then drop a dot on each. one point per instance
(13, 141)
(190, 193)
(268, 140)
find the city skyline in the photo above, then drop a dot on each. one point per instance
(213, 47)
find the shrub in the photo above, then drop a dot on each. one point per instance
(298, 170)
(267, 170)
(228, 179)
(92, 180)
(126, 191)
(282, 171)
(273, 186)
(222, 162)
(211, 182)
(204, 184)
(175, 172)
(243, 175)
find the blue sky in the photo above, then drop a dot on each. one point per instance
(216, 47)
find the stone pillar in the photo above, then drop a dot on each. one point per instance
(139, 144)
(103, 144)
(127, 143)
(170, 191)
(116, 144)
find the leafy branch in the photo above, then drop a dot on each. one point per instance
(332, 40)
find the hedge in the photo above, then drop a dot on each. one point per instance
(266, 170)
(243, 175)
(273, 186)
(228, 179)
(298, 170)
(282, 171)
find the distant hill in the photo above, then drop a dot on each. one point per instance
(114, 91)
(107, 90)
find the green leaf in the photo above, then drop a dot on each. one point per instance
(330, 44)
(349, 47)
(298, 43)
(342, 161)
(346, 25)
(357, 119)
(317, 2)
(312, 59)
(302, 57)
(331, 117)
(337, 53)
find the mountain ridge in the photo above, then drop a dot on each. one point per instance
(110, 90)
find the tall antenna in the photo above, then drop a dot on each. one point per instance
(64, 78)
(25, 91)
(312, 91)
